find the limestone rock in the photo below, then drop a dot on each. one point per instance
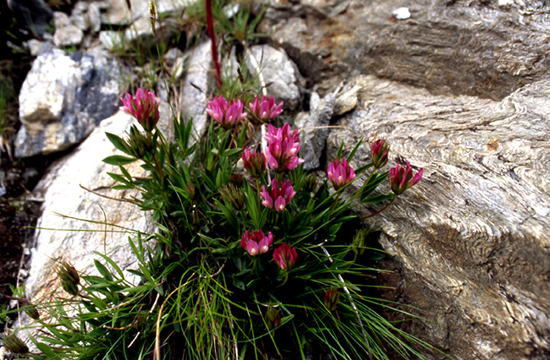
(86, 16)
(68, 207)
(63, 98)
(472, 235)
(37, 47)
(278, 69)
(193, 102)
(66, 33)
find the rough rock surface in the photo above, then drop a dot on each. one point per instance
(66, 33)
(472, 236)
(314, 126)
(86, 213)
(277, 69)
(193, 102)
(63, 98)
(459, 47)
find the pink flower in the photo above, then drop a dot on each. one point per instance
(281, 196)
(144, 107)
(285, 257)
(282, 149)
(266, 109)
(226, 115)
(340, 173)
(254, 163)
(255, 242)
(332, 299)
(379, 152)
(401, 178)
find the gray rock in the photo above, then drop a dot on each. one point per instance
(67, 206)
(63, 99)
(472, 235)
(277, 69)
(314, 129)
(192, 102)
(172, 55)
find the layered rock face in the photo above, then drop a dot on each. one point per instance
(460, 89)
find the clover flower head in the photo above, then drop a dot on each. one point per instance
(402, 177)
(282, 149)
(340, 173)
(254, 163)
(332, 299)
(224, 114)
(255, 242)
(266, 109)
(144, 107)
(379, 153)
(70, 279)
(278, 198)
(285, 257)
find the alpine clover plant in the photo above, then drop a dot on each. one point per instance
(248, 262)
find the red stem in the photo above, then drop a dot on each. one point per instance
(210, 24)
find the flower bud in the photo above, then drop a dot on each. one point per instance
(332, 299)
(30, 310)
(233, 196)
(402, 178)
(15, 345)
(311, 182)
(139, 144)
(379, 153)
(340, 173)
(358, 243)
(254, 163)
(272, 318)
(69, 278)
(285, 257)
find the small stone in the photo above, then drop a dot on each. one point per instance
(402, 13)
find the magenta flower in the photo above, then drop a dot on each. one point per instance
(255, 242)
(379, 152)
(226, 115)
(401, 178)
(144, 107)
(280, 197)
(340, 173)
(285, 257)
(282, 149)
(266, 109)
(332, 299)
(254, 163)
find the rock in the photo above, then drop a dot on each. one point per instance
(171, 56)
(472, 236)
(67, 206)
(35, 14)
(63, 99)
(277, 69)
(447, 47)
(66, 34)
(86, 16)
(193, 102)
(314, 129)
(346, 100)
(37, 47)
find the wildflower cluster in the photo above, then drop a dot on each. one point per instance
(240, 253)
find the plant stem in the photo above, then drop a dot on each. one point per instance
(210, 25)
(334, 203)
(379, 211)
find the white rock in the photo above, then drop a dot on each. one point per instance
(402, 13)
(66, 33)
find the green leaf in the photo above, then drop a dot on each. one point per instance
(378, 198)
(339, 153)
(103, 270)
(119, 143)
(251, 200)
(125, 173)
(118, 160)
(229, 214)
(375, 180)
(112, 263)
(350, 156)
(238, 283)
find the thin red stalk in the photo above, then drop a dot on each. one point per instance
(210, 24)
